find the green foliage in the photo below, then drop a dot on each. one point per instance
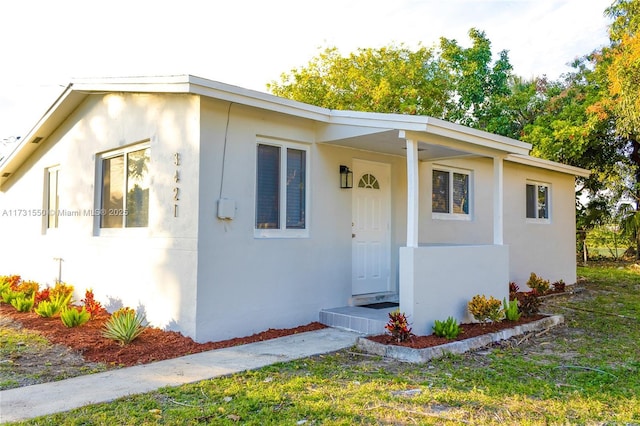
(510, 308)
(391, 79)
(448, 328)
(530, 303)
(540, 285)
(124, 326)
(74, 316)
(9, 295)
(51, 307)
(398, 326)
(485, 310)
(61, 290)
(23, 302)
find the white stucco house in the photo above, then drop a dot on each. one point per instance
(222, 211)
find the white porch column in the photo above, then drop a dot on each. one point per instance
(413, 195)
(498, 200)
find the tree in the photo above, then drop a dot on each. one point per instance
(477, 83)
(391, 79)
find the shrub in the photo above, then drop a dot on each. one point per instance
(9, 295)
(449, 328)
(51, 307)
(41, 296)
(538, 284)
(530, 304)
(60, 289)
(485, 310)
(28, 287)
(22, 302)
(93, 306)
(559, 286)
(513, 290)
(124, 326)
(11, 280)
(398, 326)
(74, 316)
(47, 309)
(511, 312)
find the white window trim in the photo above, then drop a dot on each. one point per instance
(453, 216)
(100, 157)
(283, 232)
(543, 221)
(46, 209)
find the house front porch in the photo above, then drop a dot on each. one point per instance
(436, 281)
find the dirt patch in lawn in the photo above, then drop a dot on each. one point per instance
(153, 344)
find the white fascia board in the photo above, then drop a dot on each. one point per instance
(379, 120)
(478, 137)
(549, 165)
(64, 105)
(203, 87)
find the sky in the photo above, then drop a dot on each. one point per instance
(44, 44)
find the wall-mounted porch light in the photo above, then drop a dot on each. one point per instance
(346, 177)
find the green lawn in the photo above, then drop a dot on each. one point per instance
(585, 372)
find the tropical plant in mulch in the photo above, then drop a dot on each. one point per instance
(511, 310)
(53, 306)
(124, 326)
(23, 302)
(60, 289)
(74, 316)
(529, 303)
(540, 285)
(485, 310)
(398, 326)
(91, 304)
(448, 328)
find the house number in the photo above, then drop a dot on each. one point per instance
(176, 179)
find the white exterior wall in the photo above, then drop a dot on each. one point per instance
(478, 230)
(548, 249)
(247, 284)
(150, 268)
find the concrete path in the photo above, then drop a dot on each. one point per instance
(55, 397)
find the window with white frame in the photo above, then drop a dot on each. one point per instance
(125, 188)
(538, 196)
(281, 189)
(451, 193)
(52, 197)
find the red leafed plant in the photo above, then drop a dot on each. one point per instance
(91, 305)
(41, 295)
(398, 326)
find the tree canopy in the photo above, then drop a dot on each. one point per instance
(589, 117)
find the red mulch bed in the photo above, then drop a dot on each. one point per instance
(468, 330)
(152, 345)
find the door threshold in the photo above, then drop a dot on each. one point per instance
(372, 298)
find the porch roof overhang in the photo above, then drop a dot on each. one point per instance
(437, 139)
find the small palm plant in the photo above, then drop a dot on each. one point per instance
(124, 326)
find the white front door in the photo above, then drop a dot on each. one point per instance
(371, 228)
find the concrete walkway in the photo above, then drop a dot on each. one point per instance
(55, 397)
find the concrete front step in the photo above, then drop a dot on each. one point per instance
(357, 318)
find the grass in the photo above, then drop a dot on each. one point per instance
(584, 373)
(16, 343)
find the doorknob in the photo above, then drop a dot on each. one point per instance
(353, 235)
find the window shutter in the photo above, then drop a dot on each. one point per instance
(460, 193)
(532, 202)
(440, 192)
(268, 187)
(296, 187)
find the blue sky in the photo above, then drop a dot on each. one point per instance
(251, 42)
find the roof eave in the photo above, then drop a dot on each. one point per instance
(549, 165)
